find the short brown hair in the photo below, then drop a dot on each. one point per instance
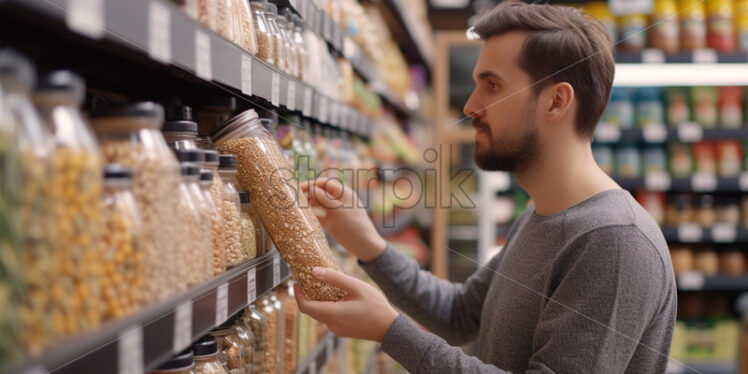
(563, 45)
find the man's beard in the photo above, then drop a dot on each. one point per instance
(512, 154)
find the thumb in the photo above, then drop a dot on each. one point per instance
(337, 279)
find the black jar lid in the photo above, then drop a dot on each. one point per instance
(179, 361)
(179, 113)
(227, 161)
(206, 346)
(62, 81)
(190, 155)
(206, 175)
(244, 197)
(180, 126)
(141, 109)
(190, 169)
(117, 172)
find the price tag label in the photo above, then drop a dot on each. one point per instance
(691, 281)
(130, 351)
(183, 326)
(159, 32)
(743, 181)
(334, 113)
(690, 132)
(349, 48)
(222, 303)
(623, 7)
(724, 233)
(345, 112)
(203, 64)
(323, 109)
(246, 75)
(275, 89)
(276, 269)
(608, 133)
(703, 182)
(654, 133)
(705, 56)
(251, 285)
(307, 105)
(690, 233)
(653, 56)
(86, 17)
(291, 103)
(657, 181)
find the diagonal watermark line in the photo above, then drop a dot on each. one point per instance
(578, 62)
(634, 340)
(182, 66)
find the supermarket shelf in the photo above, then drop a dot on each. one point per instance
(698, 182)
(417, 37)
(704, 56)
(469, 232)
(695, 74)
(688, 133)
(321, 355)
(159, 30)
(151, 336)
(695, 234)
(702, 368)
(695, 281)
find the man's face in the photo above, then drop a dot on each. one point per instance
(503, 107)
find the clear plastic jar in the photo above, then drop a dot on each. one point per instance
(235, 254)
(285, 27)
(258, 324)
(216, 222)
(293, 227)
(244, 27)
(35, 157)
(230, 348)
(302, 54)
(203, 265)
(225, 18)
(190, 257)
(216, 192)
(247, 340)
(123, 280)
(263, 33)
(206, 356)
(279, 44)
(78, 186)
(286, 295)
(182, 363)
(10, 244)
(180, 129)
(207, 13)
(131, 136)
(251, 228)
(273, 310)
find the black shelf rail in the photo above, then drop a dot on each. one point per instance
(158, 30)
(155, 333)
(729, 367)
(321, 355)
(692, 233)
(695, 281)
(657, 134)
(698, 182)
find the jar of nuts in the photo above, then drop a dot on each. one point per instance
(284, 211)
(123, 277)
(235, 253)
(204, 265)
(216, 222)
(190, 257)
(230, 348)
(258, 324)
(265, 41)
(251, 228)
(30, 151)
(130, 135)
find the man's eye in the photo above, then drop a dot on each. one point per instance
(492, 84)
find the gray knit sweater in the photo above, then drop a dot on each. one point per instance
(587, 290)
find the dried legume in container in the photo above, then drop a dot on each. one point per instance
(206, 356)
(247, 340)
(225, 18)
(286, 295)
(244, 27)
(207, 13)
(284, 211)
(263, 34)
(130, 135)
(250, 228)
(235, 254)
(203, 264)
(216, 221)
(258, 323)
(230, 348)
(123, 280)
(190, 252)
(274, 339)
(279, 47)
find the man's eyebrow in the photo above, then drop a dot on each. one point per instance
(488, 74)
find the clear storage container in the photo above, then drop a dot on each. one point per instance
(10, 242)
(247, 340)
(77, 183)
(286, 296)
(280, 308)
(251, 228)
(123, 280)
(279, 45)
(207, 13)
(216, 221)
(180, 129)
(203, 265)
(298, 38)
(190, 256)
(225, 18)
(258, 324)
(182, 363)
(130, 135)
(235, 253)
(286, 29)
(244, 27)
(205, 356)
(293, 227)
(263, 33)
(275, 336)
(216, 192)
(230, 348)
(36, 156)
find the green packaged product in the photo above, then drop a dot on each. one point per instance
(678, 105)
(704, 106)
(681, 162)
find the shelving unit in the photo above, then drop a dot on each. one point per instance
(702, 368)
(321, 355)
(151, 336)
(695, 281)
(657, 134)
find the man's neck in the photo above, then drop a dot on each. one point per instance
(557, 183)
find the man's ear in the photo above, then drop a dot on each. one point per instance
(559, 102)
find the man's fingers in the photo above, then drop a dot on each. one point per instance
(337, 279)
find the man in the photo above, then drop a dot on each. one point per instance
(584, 283)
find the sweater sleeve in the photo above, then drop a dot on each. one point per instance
(451, 310)
(602, 298)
